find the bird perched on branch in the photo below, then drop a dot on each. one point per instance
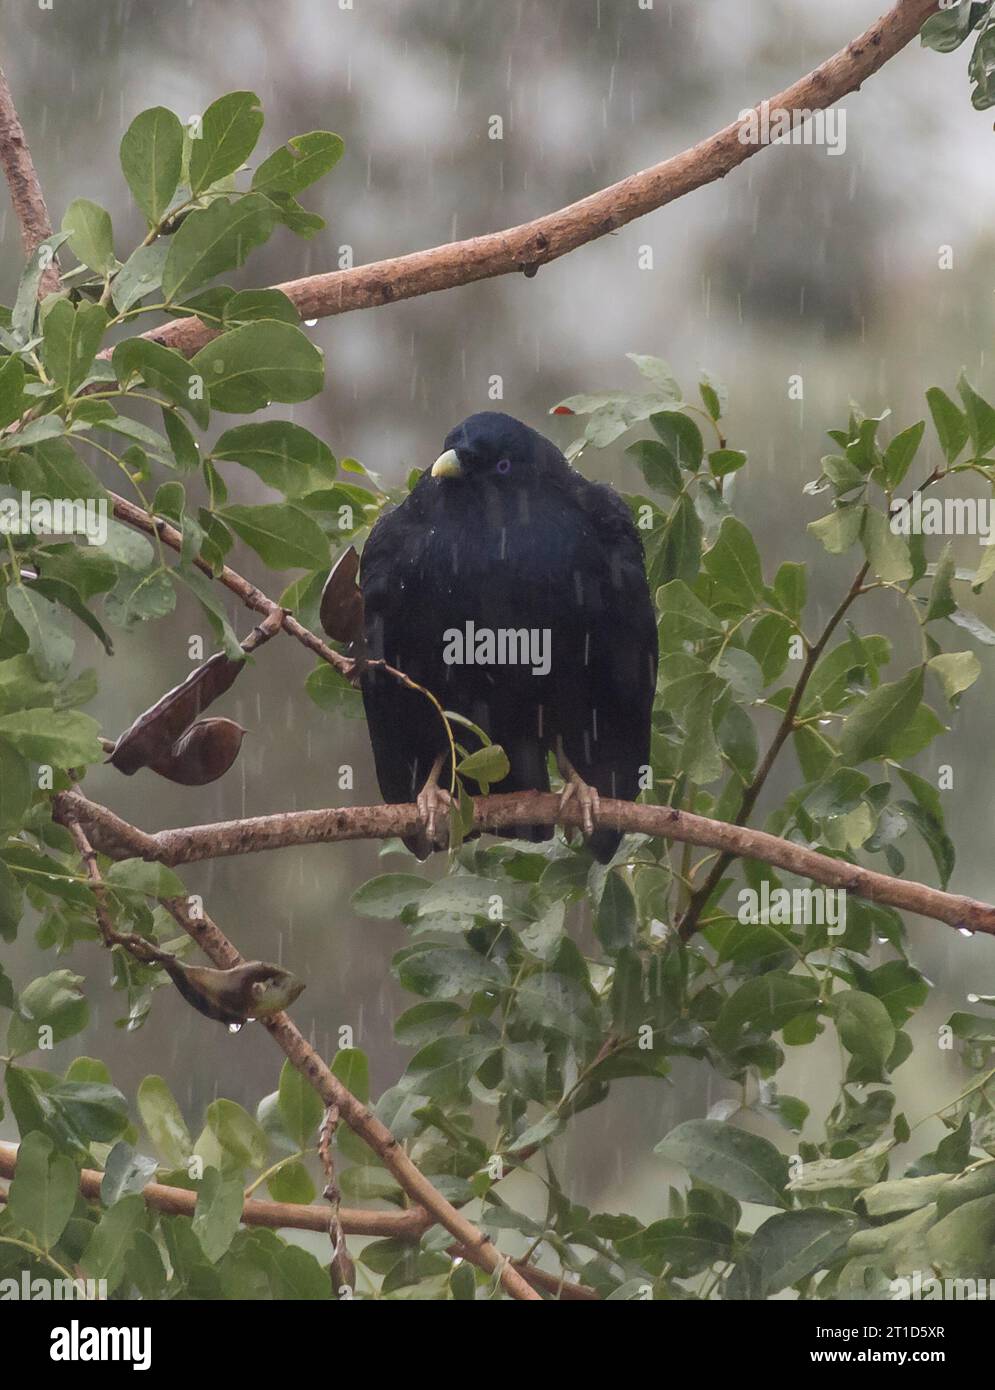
(515, 591)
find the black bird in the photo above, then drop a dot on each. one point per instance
(504, 551)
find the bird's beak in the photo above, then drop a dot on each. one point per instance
(447, 465)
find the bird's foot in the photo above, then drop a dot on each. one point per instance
(434, 804)
(587, 796)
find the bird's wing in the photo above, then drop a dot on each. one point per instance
(607, 738)
(405, 729)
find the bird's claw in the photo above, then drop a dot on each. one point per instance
(433, 802)
(588, 797)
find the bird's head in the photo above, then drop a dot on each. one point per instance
(494, 448)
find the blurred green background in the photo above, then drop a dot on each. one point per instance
(797, 263)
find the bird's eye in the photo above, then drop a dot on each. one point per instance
(503, 466)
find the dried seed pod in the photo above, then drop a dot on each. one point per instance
(253, 990)
(341, 610)
(153, 734)
(203, 754)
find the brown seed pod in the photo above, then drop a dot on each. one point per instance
(341, 610)
(253, 990)
(151, 738)
(203, 754)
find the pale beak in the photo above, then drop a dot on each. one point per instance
(447, 465)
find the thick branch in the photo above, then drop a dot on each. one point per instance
(526, 247)
(22, 180)
(116, 838)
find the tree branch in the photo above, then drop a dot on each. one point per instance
(119, 840)
(25, 190)
(536, 243)
(409, 1224)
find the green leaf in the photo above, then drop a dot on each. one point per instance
(734, 563)
(16, 790)
(141, 876)
(72, 337)
(125, 1173)
(792, 1245)
(12, 399)
(900, 452)
(386, 897)
(44, 1190)
(25, 310)
(838, 530)
(164, 370)
(767, 1003)
(300, 1107)
(657, 372)
(238, 1133)
(151, 157)
(11, 900)
(657, 465)
(681, 436)
(740, 1164)
(91, 238)
(53, 1001)
(291, 1183)
(865, 1027)
(871, 727)
(444, 1068)
(947, 30)
(887, 553)
(112, 1238)
(249, 367)
(980, 417)
(942, 603)
(228, 133)
(949, 422)
(49, 643)
(140, 275)
(615, 915)
(679, 555)
(330, 690)
(282, 535)
(212, 240)
(956, 671)
(63, 738)
(218, 1213)
(486, 765)
(285, 456)
(352, 1067)
(249, 305)
(164, 1122)
(302, 161)
(722, 462)
(963, 1242)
